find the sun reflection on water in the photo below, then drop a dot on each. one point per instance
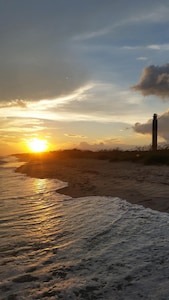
(41, 185)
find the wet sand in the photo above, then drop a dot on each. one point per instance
(136, 183)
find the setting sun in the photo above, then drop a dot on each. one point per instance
(37, 145)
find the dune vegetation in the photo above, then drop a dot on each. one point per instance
(139, 155)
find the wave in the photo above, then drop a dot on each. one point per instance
(84, 248)
(57, 247)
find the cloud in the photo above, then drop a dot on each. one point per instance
(15, 103)
(151, 47)
(161, 47)
(47, 77)
(104, 144)
(101, 100)
(21, 125)
(142, 58)
(39, 54)
(75, 135)
(163, 125)
(145, 128)
(37, 58)
(133, 13)
(154, 81)
(154, 47)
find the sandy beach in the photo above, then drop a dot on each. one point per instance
(136, 183)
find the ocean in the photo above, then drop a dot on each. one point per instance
(53, 246)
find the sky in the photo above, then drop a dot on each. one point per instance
(83, 74)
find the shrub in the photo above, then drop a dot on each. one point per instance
(157, 158)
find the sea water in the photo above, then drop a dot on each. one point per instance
(53, 246)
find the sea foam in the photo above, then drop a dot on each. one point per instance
(57, 247)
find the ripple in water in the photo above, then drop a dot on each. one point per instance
(56, 247)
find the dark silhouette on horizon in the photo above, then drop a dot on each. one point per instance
(154, 132)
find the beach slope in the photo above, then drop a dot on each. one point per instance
(134, 182)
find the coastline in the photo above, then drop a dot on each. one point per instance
(133, 182)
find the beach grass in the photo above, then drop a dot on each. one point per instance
(148, 157)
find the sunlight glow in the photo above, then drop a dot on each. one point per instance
(37, 145)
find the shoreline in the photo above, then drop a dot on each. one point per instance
(133, 182)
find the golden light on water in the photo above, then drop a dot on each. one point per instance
(37, 145)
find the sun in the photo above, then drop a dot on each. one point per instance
(37, 145)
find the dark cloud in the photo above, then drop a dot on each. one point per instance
(38, 54)
(163, 125)
(154, 81)
(42, 80)
(37, 57)
(145, 128)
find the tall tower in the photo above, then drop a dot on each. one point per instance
(154, 132)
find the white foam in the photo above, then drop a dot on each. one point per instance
(85, 248)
